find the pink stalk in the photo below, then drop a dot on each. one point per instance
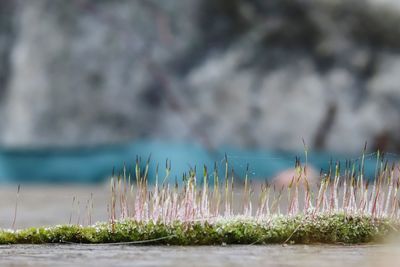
(390, 184)
(394, 199)
(320, 197)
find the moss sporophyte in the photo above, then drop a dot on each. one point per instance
(343, 207)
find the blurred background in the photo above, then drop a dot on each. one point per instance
(87, 85)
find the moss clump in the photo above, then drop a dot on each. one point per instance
(301, 229)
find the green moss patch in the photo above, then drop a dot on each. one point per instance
(301, 229)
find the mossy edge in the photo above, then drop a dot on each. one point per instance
(300, 229)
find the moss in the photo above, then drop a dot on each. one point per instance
(301, 229)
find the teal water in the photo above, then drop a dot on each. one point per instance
(94, 164)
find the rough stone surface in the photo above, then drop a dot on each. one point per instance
(253, 73)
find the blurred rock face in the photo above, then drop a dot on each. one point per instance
(249, 73)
